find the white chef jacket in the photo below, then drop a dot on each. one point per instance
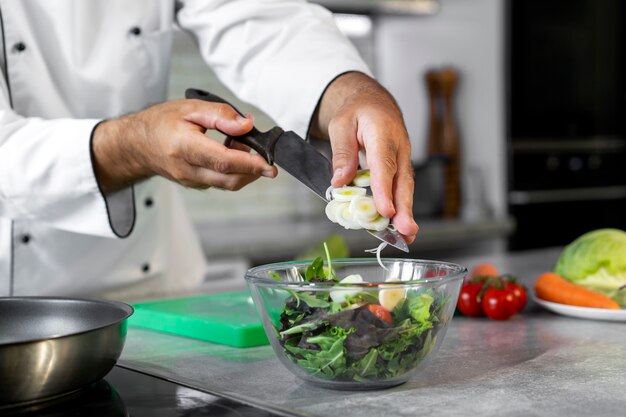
(67, 65)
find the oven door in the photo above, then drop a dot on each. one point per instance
(556, 217)
(560, 190)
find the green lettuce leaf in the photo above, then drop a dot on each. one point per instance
(418, 307)
(597, 261)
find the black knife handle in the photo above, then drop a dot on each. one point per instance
(262, 142)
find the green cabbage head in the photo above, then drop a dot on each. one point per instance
(597, 261)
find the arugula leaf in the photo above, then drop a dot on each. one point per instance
(320, 299)
(366, 367)
(315, 270)
(331, 273)
(406, 336)
(301, 328)
(294, 312)
(366, 297)
(429, 344)
(330, 361)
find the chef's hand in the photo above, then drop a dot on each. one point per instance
(358, 114)
(169, 139)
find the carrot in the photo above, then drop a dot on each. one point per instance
(484, 269)
(553, 287)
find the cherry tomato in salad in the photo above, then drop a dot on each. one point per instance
(468, 302)
(380, 312)
(499, 303)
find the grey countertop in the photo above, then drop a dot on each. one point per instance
(536, 364)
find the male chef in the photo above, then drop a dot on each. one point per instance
(90, 148)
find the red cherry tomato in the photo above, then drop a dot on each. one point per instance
(380, 312)
(499, 303)
(468, 302)
(519, 292)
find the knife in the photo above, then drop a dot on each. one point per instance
(296, 156)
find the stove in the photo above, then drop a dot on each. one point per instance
(126, 393)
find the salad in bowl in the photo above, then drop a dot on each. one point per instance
(355, 323)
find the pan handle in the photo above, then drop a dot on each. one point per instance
(262, 142)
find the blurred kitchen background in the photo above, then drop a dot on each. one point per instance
(525, 99)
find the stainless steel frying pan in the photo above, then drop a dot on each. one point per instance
(50, 347)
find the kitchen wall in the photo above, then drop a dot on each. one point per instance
(469, 35)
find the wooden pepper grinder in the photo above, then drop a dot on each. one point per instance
(443, 137)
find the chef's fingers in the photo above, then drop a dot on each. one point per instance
(345, 149)
(382, 154)
(403, 198)
(231, 182)
(197, 177)
(233, 144)
(204, 152)
(218, 116)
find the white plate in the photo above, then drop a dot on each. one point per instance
(583, 312)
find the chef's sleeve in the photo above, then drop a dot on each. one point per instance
(47, 175)
(279, 55)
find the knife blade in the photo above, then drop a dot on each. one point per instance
(297, 157)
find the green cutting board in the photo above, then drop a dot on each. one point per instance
(226, 318)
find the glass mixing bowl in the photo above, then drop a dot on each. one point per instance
(373, 330)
